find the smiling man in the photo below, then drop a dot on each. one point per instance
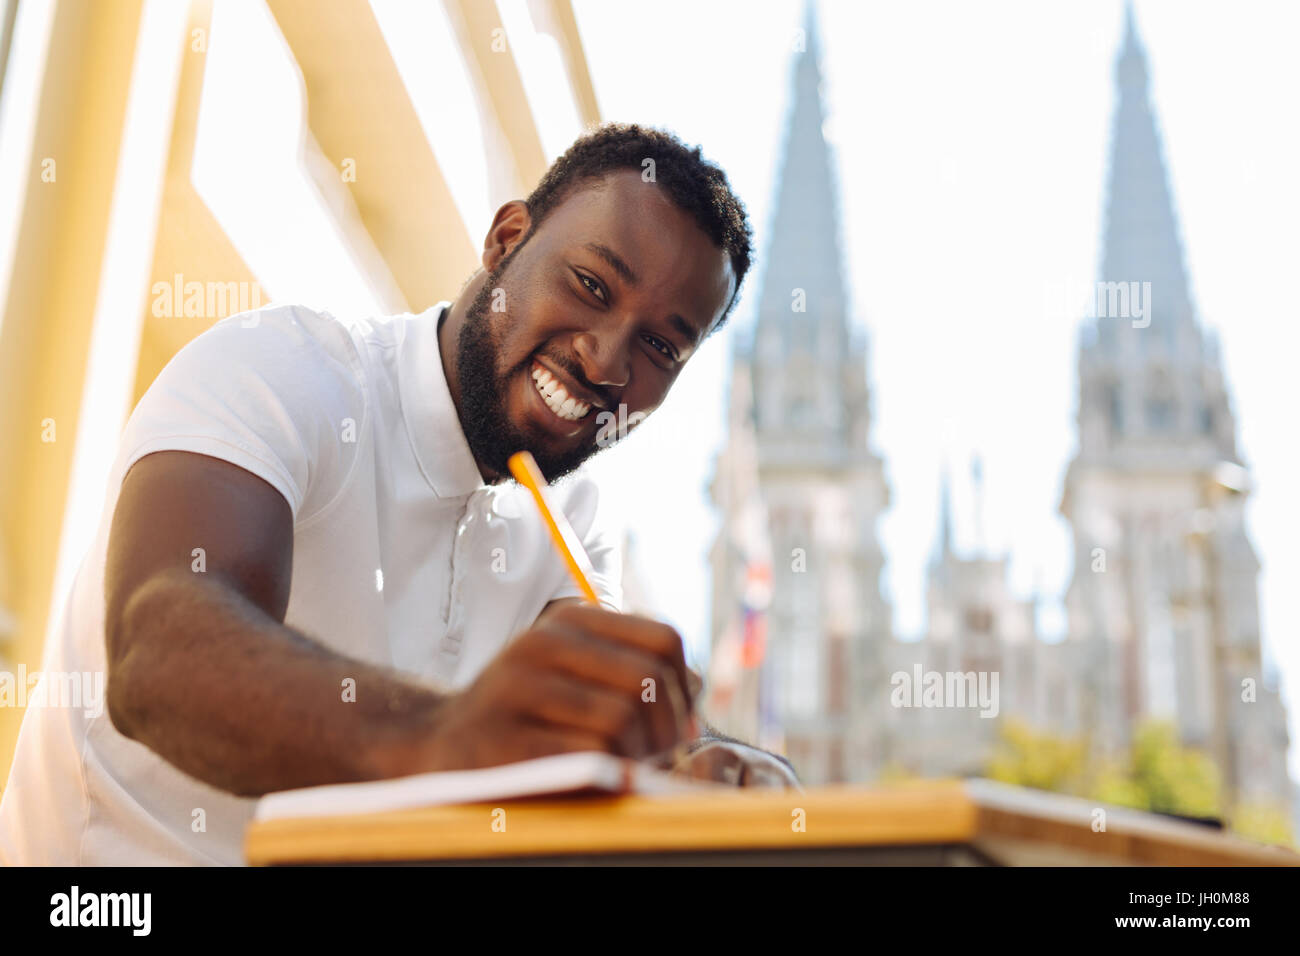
(311, 568)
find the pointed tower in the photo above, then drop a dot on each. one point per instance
(822, 687)
(943, 547)
(809, 372)
(974, 625)
(1163, 605)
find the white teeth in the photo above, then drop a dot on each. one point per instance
(557, 399)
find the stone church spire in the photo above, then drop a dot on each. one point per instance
(1141, 240)
(1163, 603)
(805, 254)
(809, 375)
(943, 544)
(797, 472)
(1148, 373)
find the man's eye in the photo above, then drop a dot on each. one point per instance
(660, 345)
(592, 285)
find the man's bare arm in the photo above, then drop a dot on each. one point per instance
(201, 668)
(203, 671)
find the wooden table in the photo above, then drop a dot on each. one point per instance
(972, 822)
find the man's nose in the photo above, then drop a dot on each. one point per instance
(604, 357)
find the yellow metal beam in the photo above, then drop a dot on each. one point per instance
(358, 109)
(483, 38)
(563, 26)
(50, 306)
(190, 242)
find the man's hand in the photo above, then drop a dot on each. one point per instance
(582, 678)
(728, 762)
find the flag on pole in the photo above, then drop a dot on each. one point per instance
(754, 602)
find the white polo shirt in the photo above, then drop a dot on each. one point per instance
(401, 557)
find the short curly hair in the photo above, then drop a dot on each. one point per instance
(694, 184)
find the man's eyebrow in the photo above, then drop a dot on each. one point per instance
(684, 327)
(615, 260)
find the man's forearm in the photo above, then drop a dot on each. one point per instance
(228, 695)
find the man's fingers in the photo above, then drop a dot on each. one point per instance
(680, 709)
(560, 699)
(620, 668)
(651, 637)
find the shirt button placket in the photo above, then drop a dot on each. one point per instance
(462, 548)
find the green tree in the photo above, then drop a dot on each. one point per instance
(1156, 773)
(1264, 824)
(1173, 778)
(1041, 760)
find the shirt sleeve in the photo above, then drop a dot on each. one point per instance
(278, 392)
(579, 496)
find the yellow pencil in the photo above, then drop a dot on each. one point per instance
(524, 467)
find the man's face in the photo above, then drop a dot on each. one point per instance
(579, 332)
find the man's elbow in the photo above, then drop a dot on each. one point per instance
(119, 710)
(120, 660)
(128, 622)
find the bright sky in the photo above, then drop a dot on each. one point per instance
(972, 147)
(972, 142)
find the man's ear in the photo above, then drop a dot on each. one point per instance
(509, 227)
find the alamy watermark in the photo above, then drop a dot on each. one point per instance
(957, 689)
(613, 427)
(76, 690)
(1099, 300)
(130, 910)
(203, 300)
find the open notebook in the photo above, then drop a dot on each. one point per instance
(571, 773)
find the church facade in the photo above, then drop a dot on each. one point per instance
(1163, 613)
(796, 566)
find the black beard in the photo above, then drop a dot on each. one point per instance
(492, 437)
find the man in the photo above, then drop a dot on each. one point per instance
(315, 570)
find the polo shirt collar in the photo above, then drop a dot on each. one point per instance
(431, 420)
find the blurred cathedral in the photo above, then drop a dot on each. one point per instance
(1163, 614)
(797, 604)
